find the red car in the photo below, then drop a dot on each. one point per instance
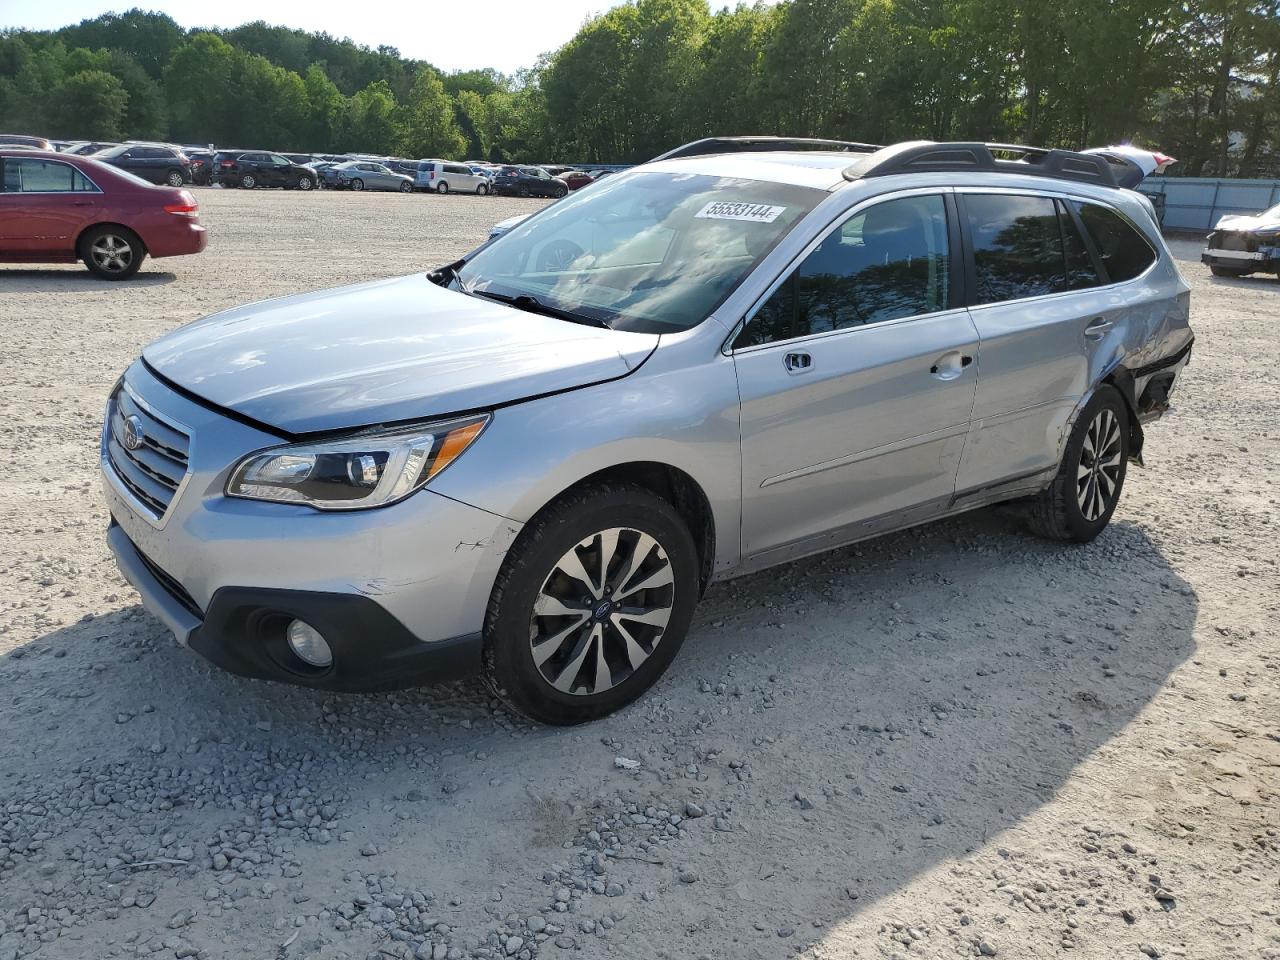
(576, 179)
(56, 208)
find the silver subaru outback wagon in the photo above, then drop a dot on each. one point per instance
(530, 463)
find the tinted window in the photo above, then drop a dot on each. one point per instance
(1017, 247)
(884, 263)
(1080, 270)
(1125, 253)
(279, 160)
(44, 176)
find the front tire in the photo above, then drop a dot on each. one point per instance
(442, 187)
(406, 187)
(112, 253)
(481, 190)
(305, 183)
(1079, 503)
(591, 605)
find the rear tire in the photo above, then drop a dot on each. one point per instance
(1079, 503)
(111, 252)
(559, 665)
(248, 181)
(357, 184)
(174, 178)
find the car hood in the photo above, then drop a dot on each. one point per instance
(1244, 223)
(389, 350)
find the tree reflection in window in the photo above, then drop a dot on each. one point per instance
(1025, 246)
(885, 263)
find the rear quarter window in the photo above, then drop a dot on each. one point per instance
(1124, 251)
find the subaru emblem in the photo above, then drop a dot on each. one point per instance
(132, 438)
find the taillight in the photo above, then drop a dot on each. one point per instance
(185, 206)
(226, 163)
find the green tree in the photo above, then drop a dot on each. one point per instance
(89, 104)
(369, 125)
(149, 38)
(426, 126)
(201, 84)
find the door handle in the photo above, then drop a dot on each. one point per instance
(950, 365)
(1097, 328)
(797, 362)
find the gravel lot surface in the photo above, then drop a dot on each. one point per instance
(956, 741)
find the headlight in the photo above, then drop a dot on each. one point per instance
(368, 470)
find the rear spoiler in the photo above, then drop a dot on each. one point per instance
(1131, 165)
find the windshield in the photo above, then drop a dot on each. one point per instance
(644, 251)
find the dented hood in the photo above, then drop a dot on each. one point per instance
(1246, 223)
(398, 349)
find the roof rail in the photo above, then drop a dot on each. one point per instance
(924, 156)
(713, 145)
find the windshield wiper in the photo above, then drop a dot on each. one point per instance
(534, 305)
(443, 276)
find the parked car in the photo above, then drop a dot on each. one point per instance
(87, 148)
(368, 175)
(505, 226)
(59, 208)
(407, 167)
(528, 182)
(18, 139)
(1244, 244)
(258, 168)
(326, 175)
(201, 166)
(531, 463)
(154, 163)
(576, 179)
(441, 176)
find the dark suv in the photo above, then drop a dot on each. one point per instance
(528, 182)
(150, 161)
(257, 168)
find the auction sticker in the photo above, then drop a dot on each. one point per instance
(728, 210)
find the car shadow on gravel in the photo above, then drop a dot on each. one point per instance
(17, 280)
(847, 722)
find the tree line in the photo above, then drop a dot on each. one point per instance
(1199, 79)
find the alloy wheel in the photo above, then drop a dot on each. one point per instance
(602, 611)
(111, 253)
(175, 179)
(1098, 473)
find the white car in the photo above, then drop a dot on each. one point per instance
(441, 176)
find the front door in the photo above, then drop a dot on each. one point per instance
(43, 207)
(856, 377)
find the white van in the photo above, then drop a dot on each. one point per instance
(441, 176)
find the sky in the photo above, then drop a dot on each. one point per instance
(504, 34)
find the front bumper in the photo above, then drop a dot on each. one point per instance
(1262, 260)
(399, 592)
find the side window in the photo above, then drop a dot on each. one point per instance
(1080, 270)
(1017, 246)
(44, 176)
(1124, 251)
(886, 262)
(278, 160)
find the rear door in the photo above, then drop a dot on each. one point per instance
(43, 207)
(1036, 308)
(856, 376)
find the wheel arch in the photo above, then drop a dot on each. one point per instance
(109, 223)
(673, 485)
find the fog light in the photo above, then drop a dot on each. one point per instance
(305, 641)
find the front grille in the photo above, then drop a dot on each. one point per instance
(156, 468)
(1232, 240)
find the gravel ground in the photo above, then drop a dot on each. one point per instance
(956, 741)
